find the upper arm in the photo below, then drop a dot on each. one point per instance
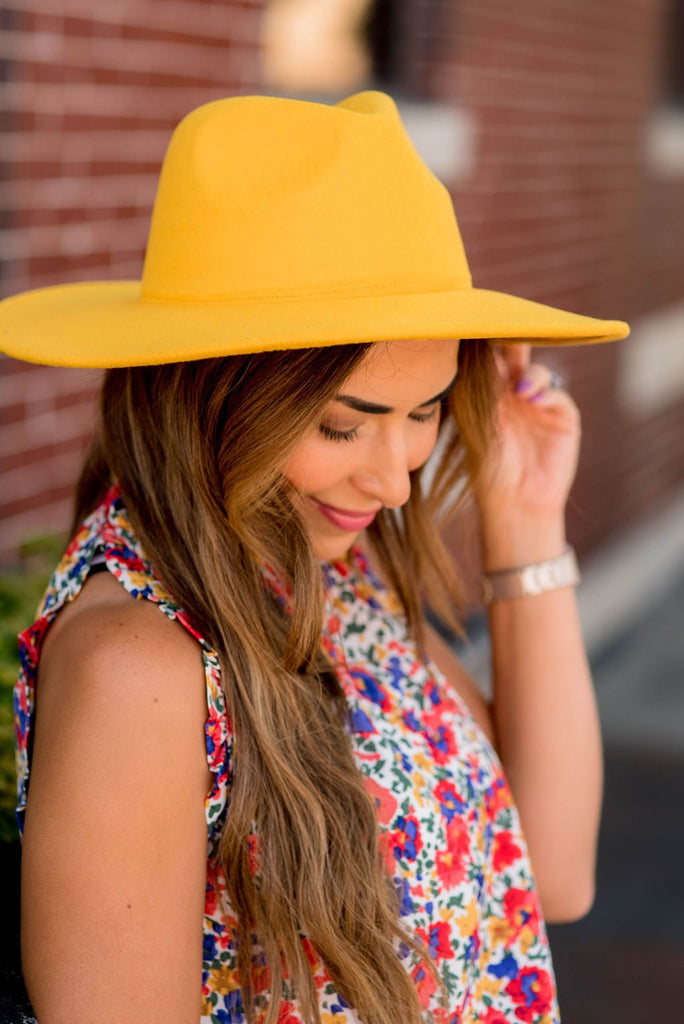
(114, 856)
(466, 687)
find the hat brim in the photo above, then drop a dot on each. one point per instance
(106, 324)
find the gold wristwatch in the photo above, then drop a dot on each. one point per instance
(528, 580)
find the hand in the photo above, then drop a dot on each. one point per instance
(528, 473)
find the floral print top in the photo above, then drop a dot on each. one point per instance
(449, 829)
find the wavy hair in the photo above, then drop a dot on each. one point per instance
(197, 448)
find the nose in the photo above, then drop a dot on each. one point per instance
(387, 478)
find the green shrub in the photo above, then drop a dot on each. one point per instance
(21, 589)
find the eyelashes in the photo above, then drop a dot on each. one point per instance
(424, 417)
(338, 435)
(350, 435)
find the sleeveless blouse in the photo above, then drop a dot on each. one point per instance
(449, 829)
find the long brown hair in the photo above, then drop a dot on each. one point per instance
(197, 449)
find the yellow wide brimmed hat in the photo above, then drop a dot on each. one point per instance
(282, 223)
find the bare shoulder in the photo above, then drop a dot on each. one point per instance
(107, 637)
(117, 673)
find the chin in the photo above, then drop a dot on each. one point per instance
(329, 549)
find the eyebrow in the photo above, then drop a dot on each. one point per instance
(360, 405)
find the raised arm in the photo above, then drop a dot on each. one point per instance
(544, 708)
(114, 857)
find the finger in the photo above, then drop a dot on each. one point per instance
(558, 406)
(533, 380)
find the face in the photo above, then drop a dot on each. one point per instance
(381, 425)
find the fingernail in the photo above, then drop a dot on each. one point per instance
(522, 385)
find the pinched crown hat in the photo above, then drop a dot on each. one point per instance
(280, 223)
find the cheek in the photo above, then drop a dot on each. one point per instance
(423, 446)
(317, 464)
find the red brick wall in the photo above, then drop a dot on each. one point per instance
(91, 94)
(561, 207)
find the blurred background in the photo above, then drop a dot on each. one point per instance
(558, 126)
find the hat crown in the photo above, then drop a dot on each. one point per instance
(265, 197)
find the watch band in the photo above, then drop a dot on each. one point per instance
(528, 580)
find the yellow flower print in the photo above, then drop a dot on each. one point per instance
(223, 980)
(486, 985)
(421, 760)
(499, 930)
(526, 938)
(467, 923)
(140, 580)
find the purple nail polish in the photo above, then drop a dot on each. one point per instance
(522, 385)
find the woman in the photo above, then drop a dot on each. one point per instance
(285, 790)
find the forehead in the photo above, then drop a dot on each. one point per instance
(404, 371)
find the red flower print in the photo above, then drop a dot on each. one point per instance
(493, 1016)
(261, 978)
(210, 901)
(505, 850)
(532, 990)
(426, 985)
(450, 800)
(22, 700)
(333, 625)
(288, 1014)
(214, 739)
(450, 863)
(522, 911)
(385, 803)
(498, 797)
(406, 838)
(311, 956)
(253, 852)
(386, 849)
(185, 621)
(440, 736)
(31, 641)
(437, 940)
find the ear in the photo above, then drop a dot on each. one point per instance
(513, 360)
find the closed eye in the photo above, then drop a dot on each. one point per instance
(333, 434)
(424, 417)
(338, 435)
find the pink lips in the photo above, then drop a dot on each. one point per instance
(351, 522)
